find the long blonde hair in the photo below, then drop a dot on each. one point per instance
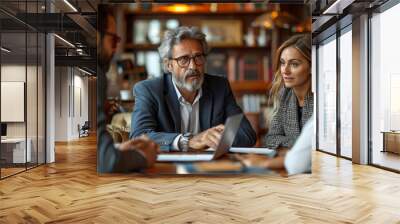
(302, 42)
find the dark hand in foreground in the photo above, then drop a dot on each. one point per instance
(208, 138)
(145, 146)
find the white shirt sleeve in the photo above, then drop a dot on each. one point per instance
(298, 159)
(175, 146)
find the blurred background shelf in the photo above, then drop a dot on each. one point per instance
(242, 87)
(130, 47)
(243, 38)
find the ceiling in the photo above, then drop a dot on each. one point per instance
(78, 27)
(326, 14)
(18, 18)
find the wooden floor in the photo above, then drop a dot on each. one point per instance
(10, 171)
(387, 159)
(70, 191)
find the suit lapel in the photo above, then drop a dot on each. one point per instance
(172, 102)
(206, 106)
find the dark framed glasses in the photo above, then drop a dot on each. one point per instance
(184, 61)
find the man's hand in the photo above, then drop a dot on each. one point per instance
(208, 138)
(145, 146)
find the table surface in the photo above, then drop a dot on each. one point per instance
(390, 132)
(225, 166)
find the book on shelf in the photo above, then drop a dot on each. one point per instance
(233, 67)
(250, 67)
(267, 69)
(140, 30)
(217, 64)
(252, 102)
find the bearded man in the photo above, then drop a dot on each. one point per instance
(185, 109)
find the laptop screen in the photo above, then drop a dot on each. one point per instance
(232, 125)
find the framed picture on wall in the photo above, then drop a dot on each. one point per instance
(223, 32)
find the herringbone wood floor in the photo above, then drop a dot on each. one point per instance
(70, 191)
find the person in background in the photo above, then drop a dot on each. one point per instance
(131, 155)
(291, 94)
(296, 160)
(185, 109)
(112, 107)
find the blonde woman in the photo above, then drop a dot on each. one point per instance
(291, 93)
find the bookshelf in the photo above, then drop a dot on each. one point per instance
(130, 47)
(239, 16)
(239, 51)
(242, 87)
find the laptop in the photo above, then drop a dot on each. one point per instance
(232, 125)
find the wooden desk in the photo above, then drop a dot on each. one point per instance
(212, 168)
(391, 141)
(225, 166)
(13, 150)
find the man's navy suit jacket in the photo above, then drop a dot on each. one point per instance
(157, 112)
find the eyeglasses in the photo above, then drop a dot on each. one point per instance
(184, 61)
(115, 37)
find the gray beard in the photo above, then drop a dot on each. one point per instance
(191, 87)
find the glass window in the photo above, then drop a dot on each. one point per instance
(41, 150)
(385, 88)
(31, 99)
(22, 92)
(326, 90)
(346, 93)
(15, 151)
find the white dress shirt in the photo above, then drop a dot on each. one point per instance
(190, 120)
(298, 159)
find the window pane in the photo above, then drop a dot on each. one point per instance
(15, 150)
(41, 98)
(327, 96)
(31, 97)
(346, 94)
(385, 84)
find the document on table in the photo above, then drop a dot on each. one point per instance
(248, 150)
(184, 157)
(265, 151)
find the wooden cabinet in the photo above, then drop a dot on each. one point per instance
(391, 142)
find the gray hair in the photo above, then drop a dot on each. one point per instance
(173, 37)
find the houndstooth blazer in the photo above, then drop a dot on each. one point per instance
(284, 127)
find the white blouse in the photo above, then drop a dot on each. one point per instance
(298, 159)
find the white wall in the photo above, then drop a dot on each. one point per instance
(50, 95)
(71, 93)
(13, 73)
(33, 127)
(61, 103)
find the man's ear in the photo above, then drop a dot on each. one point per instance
(168, 64)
